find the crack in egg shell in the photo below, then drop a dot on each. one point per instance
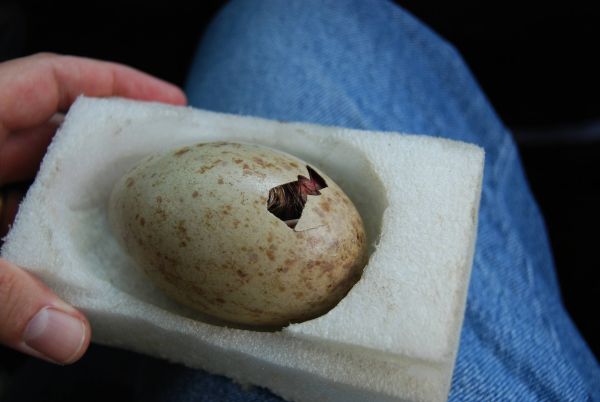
(195, 220)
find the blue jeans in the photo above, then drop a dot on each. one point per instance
(370, 65)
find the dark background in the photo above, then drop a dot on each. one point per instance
(536, 65)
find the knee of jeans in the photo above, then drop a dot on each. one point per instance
(359, 26)
(373, 57)
(326, 29)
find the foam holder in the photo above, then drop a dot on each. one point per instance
(394, 337)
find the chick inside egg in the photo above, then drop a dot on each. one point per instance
(240, 232)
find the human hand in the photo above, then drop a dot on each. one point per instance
(35, 91)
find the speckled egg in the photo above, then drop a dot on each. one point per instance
(243, 233)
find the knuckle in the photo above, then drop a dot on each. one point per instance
(9, 300)
(8, 286)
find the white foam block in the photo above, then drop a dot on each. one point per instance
(394, 337)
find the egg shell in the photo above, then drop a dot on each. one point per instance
(195, 219)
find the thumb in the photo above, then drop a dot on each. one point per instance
(35, 321)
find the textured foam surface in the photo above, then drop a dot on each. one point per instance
(393, 337)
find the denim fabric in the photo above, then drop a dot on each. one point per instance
(370, 65)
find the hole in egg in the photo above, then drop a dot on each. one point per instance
(287, 201)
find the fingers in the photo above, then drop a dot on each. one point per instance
(22, 151)
(35, 87)
(32, 318)
(35, 321)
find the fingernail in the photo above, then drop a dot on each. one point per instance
(56, 335)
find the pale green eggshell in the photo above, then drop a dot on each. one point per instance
(195, 220)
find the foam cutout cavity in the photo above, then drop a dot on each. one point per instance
(394, 337)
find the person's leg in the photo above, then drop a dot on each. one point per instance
(371, 65)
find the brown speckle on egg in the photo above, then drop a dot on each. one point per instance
(182, 151)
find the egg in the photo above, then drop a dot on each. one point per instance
(243, 233)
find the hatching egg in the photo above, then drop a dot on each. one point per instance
(244, 233)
